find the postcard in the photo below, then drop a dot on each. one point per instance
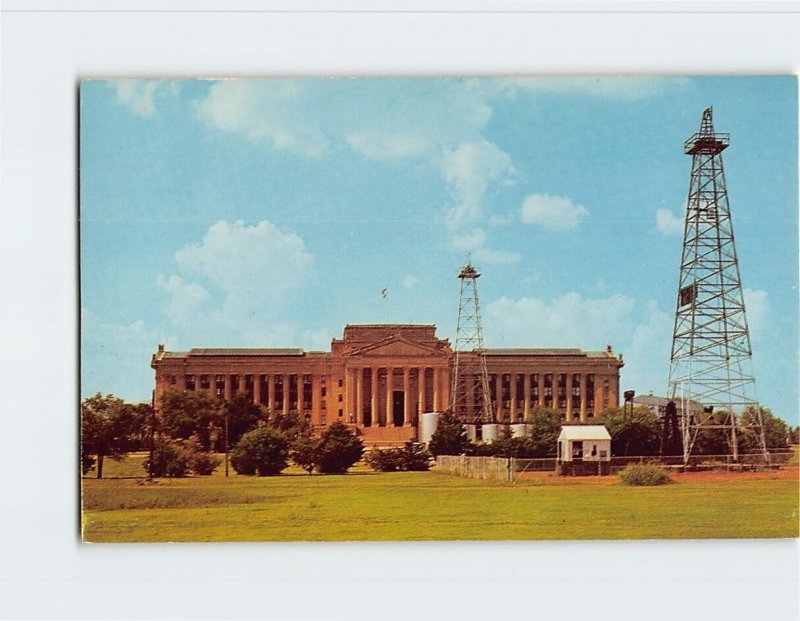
(442, 309)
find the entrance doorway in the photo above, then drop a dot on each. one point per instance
(398, 407)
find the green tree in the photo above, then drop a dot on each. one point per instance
(545, 426)
(777, 434)
(184, 414)
(303, 452)
(291, 423)
(263, 451)
(243, 416)
(636, 432)
(339, 448)
(450, 437)
(107, 425)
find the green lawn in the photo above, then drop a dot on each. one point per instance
(364, 505)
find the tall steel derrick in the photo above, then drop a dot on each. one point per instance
(710, 378)
(471, 398)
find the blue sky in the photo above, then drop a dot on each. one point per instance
(273, 212)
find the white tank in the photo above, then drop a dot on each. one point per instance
(428, 423)
(471, 432)
(489, 432)
(519, 430)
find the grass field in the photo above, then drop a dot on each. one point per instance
(364, 505)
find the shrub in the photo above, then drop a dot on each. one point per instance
(385, 460)
(411, 457)
(450, 437)
(263, 451)
(339, 448)
(415, 457)
(170, 458)
(644, 474)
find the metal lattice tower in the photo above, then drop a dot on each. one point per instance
(471, 398)
(711, 356)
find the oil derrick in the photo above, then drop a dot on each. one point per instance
(471, 398)
(710, 363)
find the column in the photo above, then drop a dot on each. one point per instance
(406, 396)
(347, 401)
(271, 395)
(421, 386)
(228, 387)
(301, 382)
(446, 388)
(256, 388)
(437, 404)
(569, 396)
(373, 398)
(360, 396)
(512, 411)
(526, 395)
(286, 382)
(583, 396)
(315, 400)
(389, 401)
(541, 388)
(498, 396)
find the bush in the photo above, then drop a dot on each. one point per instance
(385, 460)
(645, 474)
(450, 437)
(170, 458)
(338, 449)
(411, 457)
(263, 451)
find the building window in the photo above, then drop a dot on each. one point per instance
(576, 391)
(205, 383)
(173, 379)
(340, 398)
(341, 413)
(323, 419)
(341, 383)
(190, 384)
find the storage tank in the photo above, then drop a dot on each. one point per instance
(472, 432)
(519, 430)
(428, 423)
(490, 432)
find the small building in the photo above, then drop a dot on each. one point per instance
(583, 449)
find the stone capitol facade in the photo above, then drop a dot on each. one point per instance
(382, 377)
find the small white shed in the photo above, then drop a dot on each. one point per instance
(578, 444)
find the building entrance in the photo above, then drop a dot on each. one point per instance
(398, 407)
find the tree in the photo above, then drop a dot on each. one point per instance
(633, 432)
(107, 425)
(303, 452)
(412, 456)
(263, 451)
(545, 426)
(450, 437)
(243, 416)
(291, 423)
(184, 414)
(777, 434)
(339, 448)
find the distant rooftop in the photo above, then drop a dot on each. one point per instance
(245, 351)
(532, 351)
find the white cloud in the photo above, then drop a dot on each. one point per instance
(468, 171)
(469, 241)
(379, 146)
(566, 321)
(668, 223)
(605, 87)
(409, 280)
(557, 213)
(184, 300)
(236, 285)
(139, 95)
(757, 307)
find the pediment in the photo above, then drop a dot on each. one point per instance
(396, 346)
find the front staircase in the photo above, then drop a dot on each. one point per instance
(386, 437)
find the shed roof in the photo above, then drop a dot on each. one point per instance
(584, 432)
